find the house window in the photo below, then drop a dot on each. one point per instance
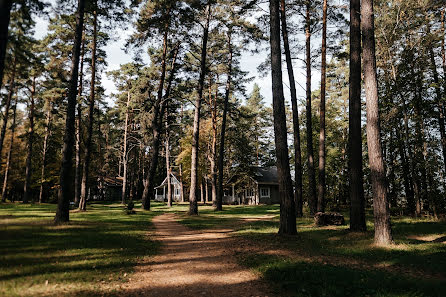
(264, 192)
(177, 191)
(249, 193)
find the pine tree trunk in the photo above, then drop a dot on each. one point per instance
(322, 187)
(181, 184)
(8, 103)
(44, 150)
(28, 169)
(88, 144)
(5, 13)
(168, 168)
(77, 176)
(312, 198)
(287, 206)
(356, 187)
(157, 123)
(383, 232)
(66, 189)
(221, 154)
(193, 194)
(213, 155)
(8, 158)
(298, 199)
(125, 152)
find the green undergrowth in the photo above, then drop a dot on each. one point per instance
(92, 254)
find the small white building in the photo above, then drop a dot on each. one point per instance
(161, 190)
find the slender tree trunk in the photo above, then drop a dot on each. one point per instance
(44, 150)
(221, 154)
(77, 176)
(28, 169)
(181, 184)
(321, 185)
(312, 197)
(408, 186)
(88, 144)
(8, 158)
(383, 231)
(125, 152)
(193, 194)
(356, 187)
(168, 168)
(66, 189)
(287, 207)
(5, 13)
(298, 199)
(8, 103)
(213, 158)
(157, 123)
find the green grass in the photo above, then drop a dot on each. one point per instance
(331, 261)
(93, 254)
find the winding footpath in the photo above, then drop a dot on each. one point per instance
(193, 263)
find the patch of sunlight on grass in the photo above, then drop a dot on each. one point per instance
(84, 257)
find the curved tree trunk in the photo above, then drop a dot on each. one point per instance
(193, 193)
(5, 13)
(26, 187)
(383, 231)
(356, 187)
(8, 158)
(287, 207)
(87, 157)
(322, 186)
(66, 189)
(312, 198)
(298, 199)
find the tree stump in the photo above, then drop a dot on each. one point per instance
(329, 218)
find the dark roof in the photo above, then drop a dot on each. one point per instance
(113, 181)
(267, 175)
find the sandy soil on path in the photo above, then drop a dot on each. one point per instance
(193, 263)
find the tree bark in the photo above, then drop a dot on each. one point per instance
(321, 185)
(168, 168)
(44, 150)
(5, 13)
(193, 194)
(298, 199)
(88, 144)
(221, 155)
(356, 187)
(312, 197)
(213, 157)
(8, 158)
(8, 102)
(287, 206)
(77, 176)
(157, 123)
(383, 231)
(28, 169)
(66, 189)
(125, 152)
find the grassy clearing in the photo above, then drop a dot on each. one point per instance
(94, 254)
(331, 261)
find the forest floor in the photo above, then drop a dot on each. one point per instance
(236, 252)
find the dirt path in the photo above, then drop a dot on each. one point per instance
(193, 263)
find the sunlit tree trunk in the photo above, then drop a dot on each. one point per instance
(168, 168)
(287, 207)
(193, 194)
(298, 199)
(28, 168)
(383, 232)
(312, 197)
(66, 189)
(44, 150)
(356, 187)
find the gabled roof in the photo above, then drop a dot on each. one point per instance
(174, 180)
(266, 175)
